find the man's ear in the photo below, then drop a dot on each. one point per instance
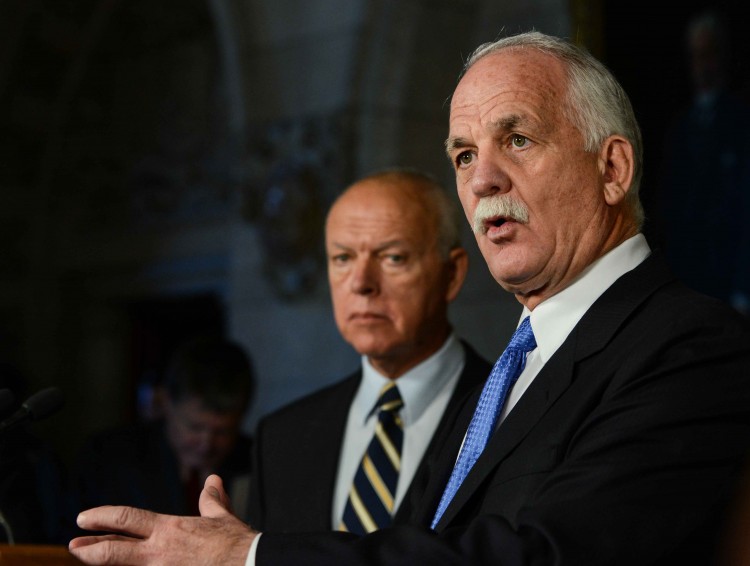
(617, 163)
(458, 267)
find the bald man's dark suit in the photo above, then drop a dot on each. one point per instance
(623, 451)
(297, 453)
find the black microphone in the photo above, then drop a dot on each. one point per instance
(39, 406)
(6, 400)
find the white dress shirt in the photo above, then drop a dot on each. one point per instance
(425, 390)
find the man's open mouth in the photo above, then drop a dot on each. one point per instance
(495, 222)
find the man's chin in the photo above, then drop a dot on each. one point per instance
(376, 347)
(367, 337)
(512, 281)
(376, 352)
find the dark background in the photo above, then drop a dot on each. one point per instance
(644, 45)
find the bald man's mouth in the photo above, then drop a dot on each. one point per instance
(366, 316)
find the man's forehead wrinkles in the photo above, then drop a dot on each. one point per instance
(379, 236)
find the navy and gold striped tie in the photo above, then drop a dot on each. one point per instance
(370, 503)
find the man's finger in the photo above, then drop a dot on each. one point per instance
(106, 549)
(127, 520)
(214, 501)
(79, 542)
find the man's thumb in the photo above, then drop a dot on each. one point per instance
(214, 501)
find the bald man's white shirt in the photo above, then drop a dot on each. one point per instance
(426, 390)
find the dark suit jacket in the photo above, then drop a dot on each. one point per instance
(298, 447)
(623, 451)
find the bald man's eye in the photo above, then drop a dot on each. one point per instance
(519, 141)
(340, 259)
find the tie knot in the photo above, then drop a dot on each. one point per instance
(390, 399)
(523, 338)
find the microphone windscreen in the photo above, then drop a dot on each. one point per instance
(43, 403)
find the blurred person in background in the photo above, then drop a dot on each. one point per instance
(705, 187)
(161, 464)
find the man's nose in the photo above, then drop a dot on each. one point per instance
(364, 279)
(204, 439)
(489, 176)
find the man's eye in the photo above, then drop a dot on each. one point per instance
(519, 141)
(464, 158)
(394, 260)
(340, 258)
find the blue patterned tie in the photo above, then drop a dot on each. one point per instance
(370, 503)
(502, 377)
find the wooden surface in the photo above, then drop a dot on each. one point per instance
(36, 555)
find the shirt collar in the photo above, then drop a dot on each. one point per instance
(418, 387)
(554, 318)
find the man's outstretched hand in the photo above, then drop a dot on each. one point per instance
(142, 537)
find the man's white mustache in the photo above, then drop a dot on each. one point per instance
(495, 206)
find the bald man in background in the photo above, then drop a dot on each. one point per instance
(395, 263)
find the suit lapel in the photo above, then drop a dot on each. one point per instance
(551, 382)
(475, 372)
(330, 424)
(590, 336)
(441, 465)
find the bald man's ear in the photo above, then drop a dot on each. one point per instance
(617, 164)
(458, 266)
